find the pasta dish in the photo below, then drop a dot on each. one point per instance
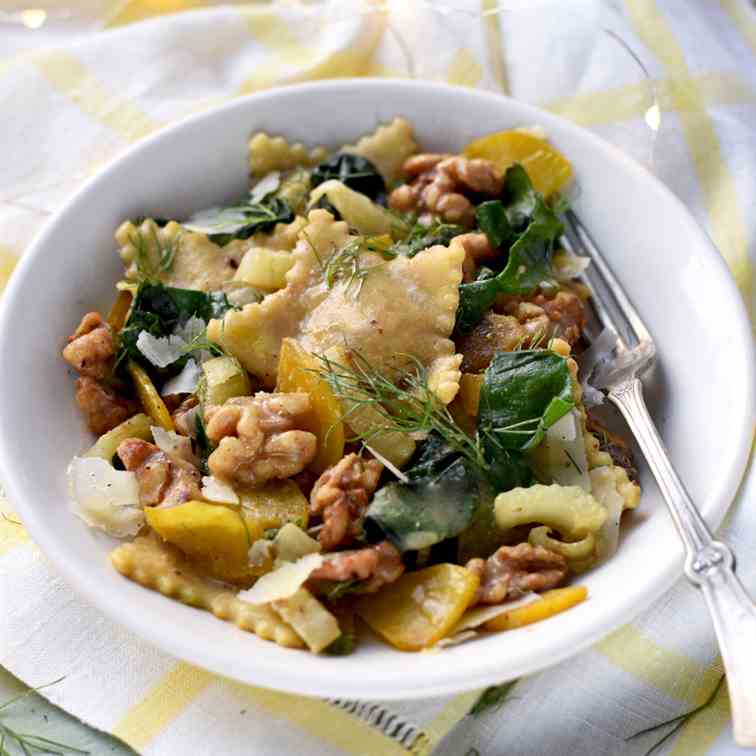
(352, 400)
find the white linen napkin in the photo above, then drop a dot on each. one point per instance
(670, 82)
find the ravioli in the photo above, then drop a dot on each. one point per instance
(267, 153)
(404, 309)
(189, 260)
(387, 147)
(177, 257)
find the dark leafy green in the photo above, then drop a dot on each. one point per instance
(204, 446)
(433, 506)
(355, 171)
(493, 221)
(421, 237)
(529, 262)
(223, 224)
(159, 309)
(508, 468)
(523, 394)
(518, 197)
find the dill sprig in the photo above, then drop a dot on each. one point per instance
(346, 265)
(404, 403)
(492, 698)
(201, 343)
(26, 742)
(147, 266)
(677, 721)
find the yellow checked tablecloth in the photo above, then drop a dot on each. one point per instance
(673, 82)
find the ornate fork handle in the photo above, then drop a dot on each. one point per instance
(709, 564)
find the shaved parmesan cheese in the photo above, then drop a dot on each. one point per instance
(173, 444)
(185, 382)
(282, 582)
(165, 350)
(456, 639)
(465, 629)
(267, 184)
(481, 614)
(192, 329)
(105, 498)
(160, 351)
(215, 490)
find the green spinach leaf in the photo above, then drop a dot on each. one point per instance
(421, 237)
(523, 394)
(529, 262)
(518, 197)
(433, 506)
(223, 224)
(355, 171)
(159, 309)
(493, 221)
(205, 446)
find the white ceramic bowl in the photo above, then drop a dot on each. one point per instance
(701, 394)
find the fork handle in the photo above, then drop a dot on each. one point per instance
(709, 565)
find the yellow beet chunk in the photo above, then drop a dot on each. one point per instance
(272, 506)
(223, 378)
(550, 603)
(547, 168)
(148, 395)
(120, 310)
(421, 607)
(107, 444)
(363, 420)
(264, 268)
(211, 535)
(297, 372)
(469, 392)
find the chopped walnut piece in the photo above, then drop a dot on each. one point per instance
(515, 570)
(521, 323)
(378, 565)
(90, 348)
(440, 183)
(562, 316)
(185, 417)
(162, 479)
(341, 495)
(258, 437)
(102, 407)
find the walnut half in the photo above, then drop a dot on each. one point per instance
(259, 439)
(515, 570)
(90, 347)
(341, 495)
(440, 183)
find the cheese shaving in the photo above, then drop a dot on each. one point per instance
(282, 582)
(173, 444)
(105, 498)
(215, 490)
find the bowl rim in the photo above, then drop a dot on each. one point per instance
(293, 681)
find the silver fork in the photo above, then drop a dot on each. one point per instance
(709, 564)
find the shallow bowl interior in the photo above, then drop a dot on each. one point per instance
(701, 393)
